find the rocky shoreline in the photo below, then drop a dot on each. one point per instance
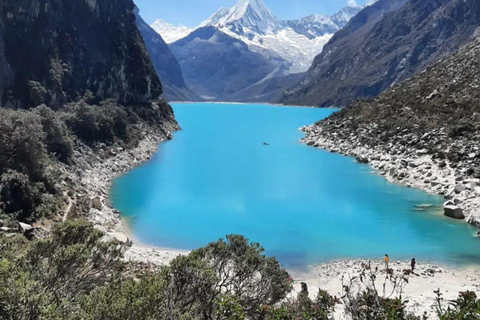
(410, 166)
(92, 180)
(95, 172)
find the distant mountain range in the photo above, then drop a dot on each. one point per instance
(384, 44)
(296, 42)
(265, 48)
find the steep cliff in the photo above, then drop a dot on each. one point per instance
(165, 63)
(60, 50)
(76, 86)
(384, 44)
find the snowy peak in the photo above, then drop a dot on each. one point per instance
(318, 25)
(247, 16)
(169, 32)
(216, 17)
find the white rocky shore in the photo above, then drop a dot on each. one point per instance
(419, 292)
(95, 181)
(410, 167)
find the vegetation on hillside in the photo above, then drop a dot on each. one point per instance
(77, 274)
(33, 143)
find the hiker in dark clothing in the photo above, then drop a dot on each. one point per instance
(413, 263)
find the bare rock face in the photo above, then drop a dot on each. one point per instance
(57, 51)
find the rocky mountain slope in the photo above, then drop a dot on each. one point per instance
(267, 90)
(165, 63)
(69, 48)
(216, 65)
(424, 132)
(384, 44)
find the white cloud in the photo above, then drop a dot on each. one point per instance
(352, 3)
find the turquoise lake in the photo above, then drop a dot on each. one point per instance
(303, 204)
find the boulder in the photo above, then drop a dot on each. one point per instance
(24, 227)
(96, 203)
(453, 212)
(459, 188)
(121, 237)
(361, 159)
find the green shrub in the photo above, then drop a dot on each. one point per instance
(44, 279)
(466, 306)
(57, 138)
(19, 195)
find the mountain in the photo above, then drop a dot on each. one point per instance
(69, 49)
(424, 131)
(169, 32)
(267, 90)
(385, 44)
(317, 24)
(165, 63)
(216, 65)
(77, 86)
(296, 42)
(247, 17)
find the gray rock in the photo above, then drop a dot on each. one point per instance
(96, 203)
(459, 188)
(453, 212)
(361, 159)
(24, 227)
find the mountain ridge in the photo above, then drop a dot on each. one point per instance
(376, 50)
(423, 132)
(296, 42)
(165, 64)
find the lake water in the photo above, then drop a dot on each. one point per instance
(303, 204)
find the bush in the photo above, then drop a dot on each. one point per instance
(57, 137)
(466, 306)
(44, 279)
(21, 142)
(99, 124)
(19, 195)
(77, 275)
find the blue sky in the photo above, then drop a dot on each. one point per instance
(192, 12)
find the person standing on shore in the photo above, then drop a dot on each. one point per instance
(413, 263)
(386, 259)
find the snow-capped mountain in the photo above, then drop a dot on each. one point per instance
(297, 41)
(293, 43)
(317, 25)
(246, 17)
(169, 32)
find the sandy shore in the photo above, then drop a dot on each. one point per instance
(419, 291)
